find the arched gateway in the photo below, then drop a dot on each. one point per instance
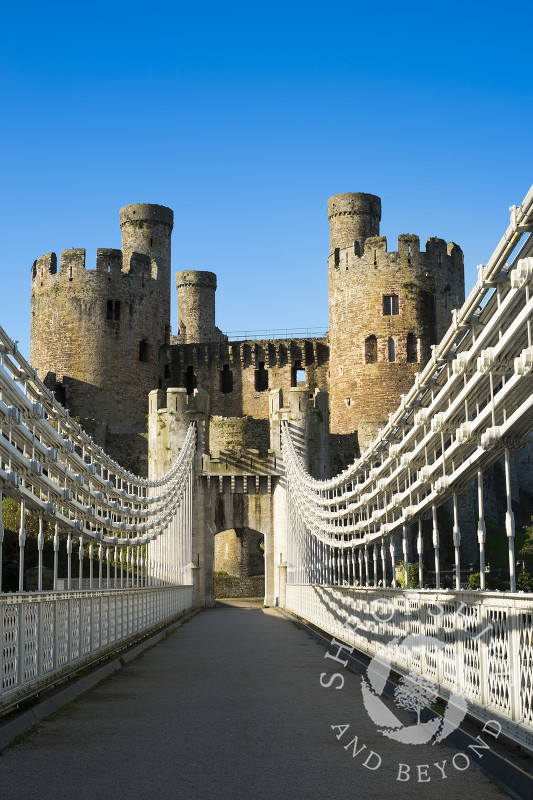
(241, 489)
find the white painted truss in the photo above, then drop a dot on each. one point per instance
(469, 406)
(138, 532)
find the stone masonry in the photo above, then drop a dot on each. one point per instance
(101, 338)
(385, 312)
(96, 333)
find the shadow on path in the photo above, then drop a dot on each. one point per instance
(229, 707)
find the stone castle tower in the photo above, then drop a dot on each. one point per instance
(96, 334)
(101, 337)
(386, 309)
(196, 307)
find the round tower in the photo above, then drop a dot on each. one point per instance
(385, 312)
(196, 306)
(353, 217)
(96, 333)
(146, 229)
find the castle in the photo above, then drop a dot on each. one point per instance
(101, 338)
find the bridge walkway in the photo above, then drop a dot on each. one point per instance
(228, 707)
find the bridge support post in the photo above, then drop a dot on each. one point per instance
(384, 562)
(22, 542)
(509, 523)
(481, 532)
(420, 550)
(457, 543)
(405, 546)
(56, 554)
(282, 572)
(436, 547)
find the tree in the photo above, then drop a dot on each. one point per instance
(412, 573)
(415, 693)
(527, 547)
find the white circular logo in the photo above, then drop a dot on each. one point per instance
(414, 693)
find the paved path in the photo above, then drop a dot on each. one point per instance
(229, 707)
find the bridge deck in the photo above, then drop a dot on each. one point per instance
(228, 706)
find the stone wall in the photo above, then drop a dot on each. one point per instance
(240, 553)
(229, 586)
(385, 312)
(96, 333)
(239, 375)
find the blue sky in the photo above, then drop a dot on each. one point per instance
(244, 118)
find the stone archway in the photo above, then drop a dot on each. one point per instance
(239, 563)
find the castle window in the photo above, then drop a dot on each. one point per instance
(190, 380)
(337, 256)
(167, 371)
(261, 378)
(412, 348)
(226, 380)
(144, 351)
(70, 273)
(113, 309)
(60, 394)
(347, 402)
(391, 349)
(297, 374)
(429, 315)
(371, 350)
(390, 305)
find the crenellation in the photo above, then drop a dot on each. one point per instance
(108, 260)
(105, 336)
(44, 266)
(72, 261)
(408, 244)
(375, 244)
(96, 335)
(386, 310)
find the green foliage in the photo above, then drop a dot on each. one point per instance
(474, 581)
(11, 517)
(524, 581)
(527, 547)
(412, 572)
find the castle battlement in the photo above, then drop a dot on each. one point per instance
(408, 245)
(96, 332)
(109, 263)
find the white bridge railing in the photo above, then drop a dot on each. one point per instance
(479, 646)
(469, 406)
(133, 536)
(47, 635)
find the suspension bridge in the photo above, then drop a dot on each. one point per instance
(331, 560)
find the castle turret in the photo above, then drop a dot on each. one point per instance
(385, 312)
(146, 229)
(96, 333)
(196, 306)
(353, 217)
